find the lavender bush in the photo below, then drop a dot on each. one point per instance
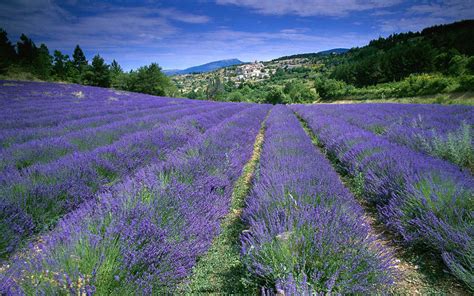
(146, 234)
(441, 131)
(306, 232)
(41, 193)
(45, 192)
(427, 201)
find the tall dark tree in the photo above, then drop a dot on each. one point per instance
(42, 62)
(214, 88)
(72, 73)
(115, 67)
(98, 73)
(7, 51)
(26, 50)
(118, 79)
(79, 58)
(60, 64)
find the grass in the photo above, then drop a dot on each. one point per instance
(220, 270)
(459, 98)
(420, 273)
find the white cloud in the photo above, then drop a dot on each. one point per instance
(413, 24)
(106, 27)
(176, 15)
(428, 13)
(310, 7)
(448, 9)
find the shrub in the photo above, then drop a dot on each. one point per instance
(456, 147)
(331, 88)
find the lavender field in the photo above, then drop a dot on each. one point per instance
(104, 192)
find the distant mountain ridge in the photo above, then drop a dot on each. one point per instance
(205, 67)
(314, 54)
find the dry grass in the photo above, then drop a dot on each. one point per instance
(464, 98)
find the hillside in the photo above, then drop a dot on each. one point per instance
(436, 60)
(205, 67)
(314, 55)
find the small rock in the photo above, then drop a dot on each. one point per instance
(284, 236)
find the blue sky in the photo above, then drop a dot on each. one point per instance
(183, 33)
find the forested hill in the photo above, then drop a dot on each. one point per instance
(399, 55)
(435, 61)
(314, 55)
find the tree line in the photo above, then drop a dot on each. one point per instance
(446, 49)
(26, 60)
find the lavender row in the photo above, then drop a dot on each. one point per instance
(12, 136)
(42, 194)
(306, 232)
(425, 200)
(38, 97)
(143, 237)
(23, 155)
(425, 117)
(441, 131)
(56, 116)
(53, 111)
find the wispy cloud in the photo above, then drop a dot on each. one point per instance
(109, 26)
(413, 24)
(428, 13)
(184, 17)
(449, 9)
(310, 7)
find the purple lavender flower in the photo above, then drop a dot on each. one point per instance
(306, 232)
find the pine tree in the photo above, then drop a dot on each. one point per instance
(115, 67)
(42, 62)
(79, 59)
(60, 64)
(26, 50)
(7, 51)
(98, 73)
(214, 88)
(118, 79)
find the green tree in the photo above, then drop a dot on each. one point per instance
(79, 59)
(298, 92)
(458, 65)
(42, 63)
(215, 88)
(60, 63)
(26, 50)
(7, 52)
(441, 60)
(150, 80)
(115, 68)
(470, 65)
(236, 96)
(330, 88)
(118, 79)
(275, 96)
(98, 73)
